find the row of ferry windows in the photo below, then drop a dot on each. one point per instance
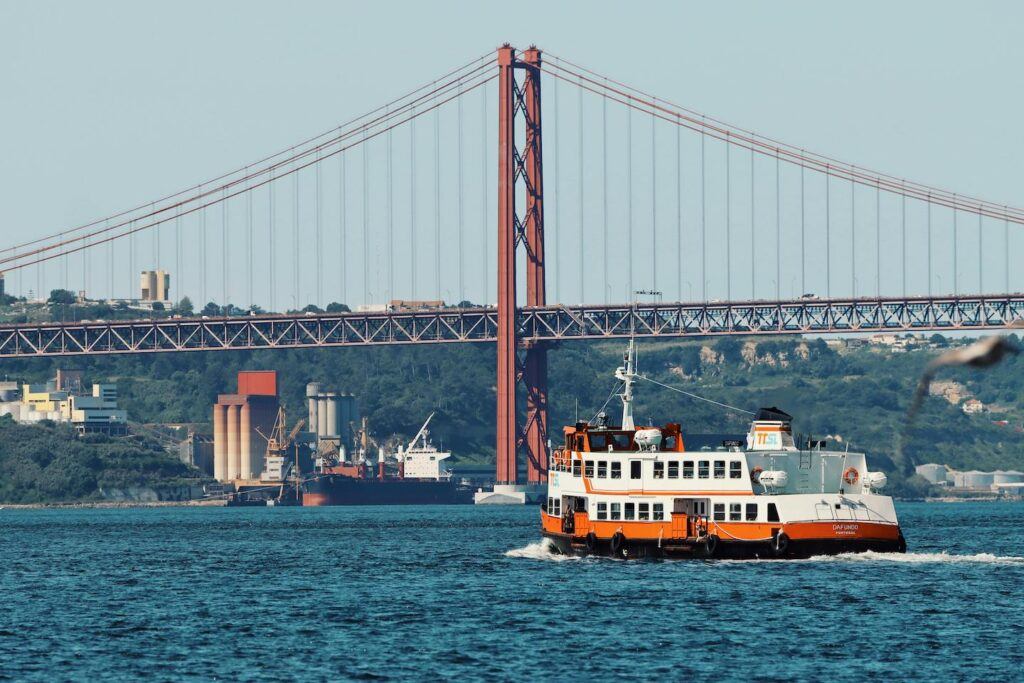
(737, 512)
(672, 469)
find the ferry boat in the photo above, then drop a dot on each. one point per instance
(638, 492)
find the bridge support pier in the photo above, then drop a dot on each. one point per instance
(526, 167)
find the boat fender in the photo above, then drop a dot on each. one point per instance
(591, 542)
(711, 545)
(901, 544)
(618, 541)
(780, 544)
(851, 476)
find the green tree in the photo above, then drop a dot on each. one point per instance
(184, 306)
(61, 297)
(335, 307)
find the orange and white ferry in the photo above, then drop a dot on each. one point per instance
(633, 492)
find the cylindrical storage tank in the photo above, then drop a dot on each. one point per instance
(234, 445)
(974, 480)
(220, 444)
(1008, 477)
(332, 414)
(321, 416)
(312, 391)
(245, 441)
(932, 472)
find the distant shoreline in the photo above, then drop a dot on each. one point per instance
(113, 504)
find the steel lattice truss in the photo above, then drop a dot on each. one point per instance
(543, 323)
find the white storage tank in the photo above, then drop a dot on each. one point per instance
(1007, 477)
(934, 473)
(974, 480)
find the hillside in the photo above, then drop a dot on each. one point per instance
(856, 396)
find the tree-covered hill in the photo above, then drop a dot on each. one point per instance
(857, 395)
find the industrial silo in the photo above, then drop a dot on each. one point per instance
(974, 480)
(312, 391)
(936, 474)
(1007, 477)
(220, 445)
(331, 403)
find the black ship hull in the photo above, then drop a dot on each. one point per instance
(333, 489)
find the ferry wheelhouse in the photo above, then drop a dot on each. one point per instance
(634, 492)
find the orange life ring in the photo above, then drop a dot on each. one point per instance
(851, 476)
(755, 473)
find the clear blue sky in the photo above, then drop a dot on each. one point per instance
(110, 104)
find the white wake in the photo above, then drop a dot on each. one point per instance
(543, 549)
(921, 558)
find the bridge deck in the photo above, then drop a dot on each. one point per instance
(551, 323)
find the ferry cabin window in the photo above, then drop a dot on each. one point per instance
(735, 469)
(659, 512)
(735, 512)
(719, 512)
(616, 470)
(751, 512)
(635, 469)
(703, 469)
(669, 444)
(630, 511)
(644, 513)
(673, 469)
(575, 468)
(602, 510)
(659, 470)
(687, 469)
(719, 469)
(616, 510)
(602, 469)
(773, 513)
(588, 469)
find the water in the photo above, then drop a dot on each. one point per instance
(470, 594)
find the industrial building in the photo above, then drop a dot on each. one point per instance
(999, 481)
(331, 416)
(155, 285)
(62, 400)
(197, 450)
(241, 423)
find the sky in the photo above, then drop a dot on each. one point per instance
(111, 104)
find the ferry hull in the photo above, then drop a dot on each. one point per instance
(749, 550)
(342, 490)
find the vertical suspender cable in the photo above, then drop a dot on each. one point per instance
(296, 241)
(878, 240)
(753, 245)
(778, 228)
(981, 277)
(366, 220)
(251, 238)
(224, 248)
(110, 266)
(202, 255)
(319, 235)
(654, 198)
(604, 181)
(629, 203)
(828, 233)
(437, 203)
(956, 275)
(728, 218)
(679, 209)
(458, 193)
(558, 203)
(853, 237)
(1006, 251)
(412, 206)
(484, 186)
(391, 225)
(272, 241)
(342, 251)
(903, 238)
(703, 221)
(929, 269)
(579, 260)
(803, 232)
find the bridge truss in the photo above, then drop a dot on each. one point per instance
(533, 324)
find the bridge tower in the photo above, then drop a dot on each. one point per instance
(520, 170)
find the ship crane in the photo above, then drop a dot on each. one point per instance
(422, 434)
(278, 445)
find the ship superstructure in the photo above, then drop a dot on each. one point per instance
(629, 491)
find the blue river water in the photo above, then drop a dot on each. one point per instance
(471, 594)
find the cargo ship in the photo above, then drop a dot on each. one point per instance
(414, 475)
(625, 491)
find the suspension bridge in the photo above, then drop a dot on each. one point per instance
(744, 234)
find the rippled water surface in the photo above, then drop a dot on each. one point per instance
(470, 593)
